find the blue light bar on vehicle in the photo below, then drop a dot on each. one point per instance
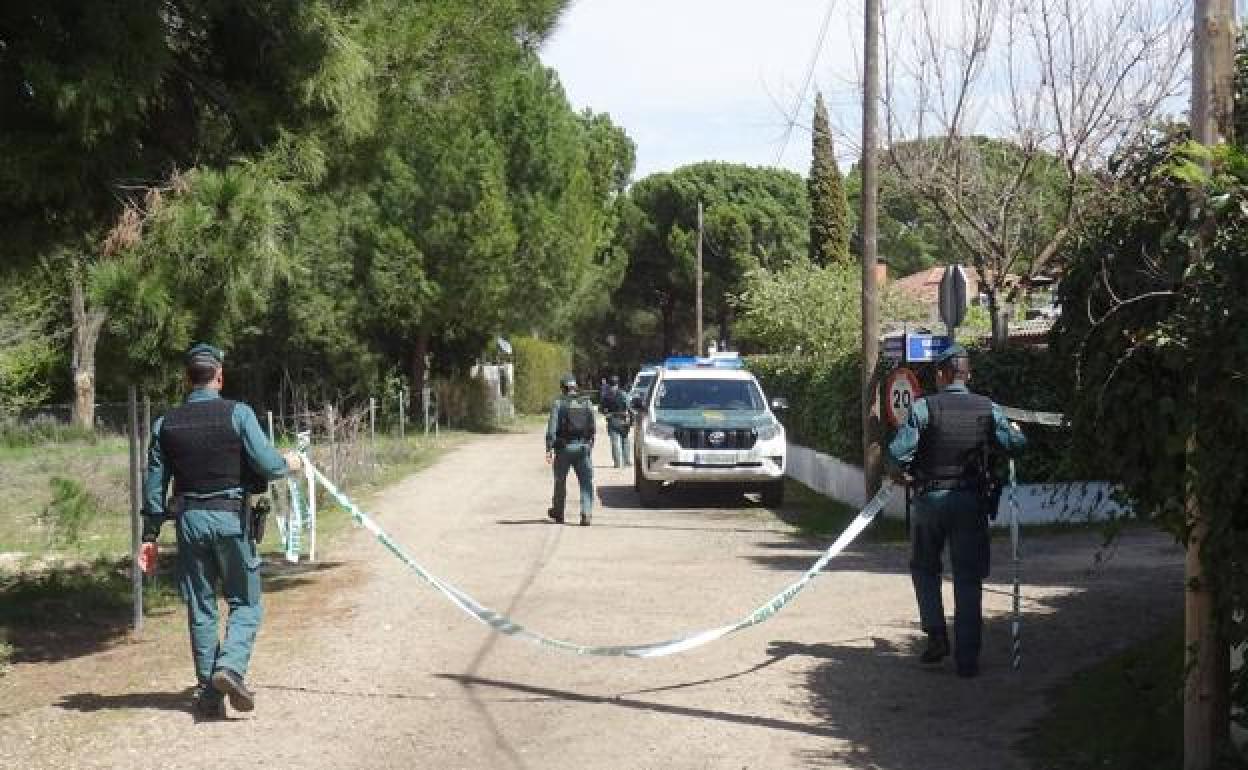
(713, 361)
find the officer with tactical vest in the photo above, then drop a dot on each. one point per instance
(944, 448)
(215, 453)
(619, 419)
(570, 444)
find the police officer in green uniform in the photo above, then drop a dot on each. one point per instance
(214, 452)
(943, 447)
(619, 419)
(570, 444)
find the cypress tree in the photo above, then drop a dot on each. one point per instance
(829, 211)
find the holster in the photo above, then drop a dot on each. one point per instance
(255, 517)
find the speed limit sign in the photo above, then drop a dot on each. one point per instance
(901, 390)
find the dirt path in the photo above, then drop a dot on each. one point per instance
(361, 665)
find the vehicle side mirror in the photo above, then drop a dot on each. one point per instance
(779, 404)
(635, 403)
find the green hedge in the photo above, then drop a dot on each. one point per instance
(823, 396)
(539, 365)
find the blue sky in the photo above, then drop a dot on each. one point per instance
(694, 80)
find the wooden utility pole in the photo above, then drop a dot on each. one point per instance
(871, 453)
(1206, 702)
(698, 344)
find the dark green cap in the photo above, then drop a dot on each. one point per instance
(567, 381)
(953, 351)
(203, 350)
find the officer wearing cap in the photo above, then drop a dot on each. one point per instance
(215, 453)
(619, 419)
(943, 448)
(570, 444)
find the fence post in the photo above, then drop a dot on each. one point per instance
(145, 433)
(136, 528)
(333, 444)
(372, 420)
(402, 413)
(269, 416)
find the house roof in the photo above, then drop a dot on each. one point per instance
(924, 285)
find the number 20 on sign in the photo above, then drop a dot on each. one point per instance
(901, 390)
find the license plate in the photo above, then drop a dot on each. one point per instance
(715, 458)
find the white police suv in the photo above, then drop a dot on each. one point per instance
(706, 420)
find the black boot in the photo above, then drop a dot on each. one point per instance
(937, 648)
(584, 519)
(555, 517)
(209, 704)
(230, 683)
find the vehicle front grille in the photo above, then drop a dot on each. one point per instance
(700, 438)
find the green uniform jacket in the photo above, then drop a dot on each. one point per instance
(260, 455)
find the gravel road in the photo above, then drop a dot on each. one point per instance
(360, 665)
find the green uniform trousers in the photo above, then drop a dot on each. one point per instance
(576, 457)
(617, 433)
(953, 517)
(214, 553)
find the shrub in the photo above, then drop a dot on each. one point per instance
(539, 365)
(72, 509)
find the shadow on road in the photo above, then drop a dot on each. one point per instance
(136, 701)
(896, 714)
(687, 496)
(627, 702)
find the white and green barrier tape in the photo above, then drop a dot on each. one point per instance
(506, 625)
(1052, 419)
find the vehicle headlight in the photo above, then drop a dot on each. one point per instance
(661, 431)
(768, 432)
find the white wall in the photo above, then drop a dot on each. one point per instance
(1037, 503)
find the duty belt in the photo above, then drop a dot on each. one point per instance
(945, 485)
(232, 504)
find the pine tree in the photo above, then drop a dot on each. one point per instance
(829, 211)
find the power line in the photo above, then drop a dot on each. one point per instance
(810, 74)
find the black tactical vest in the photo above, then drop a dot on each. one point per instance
(959, 427)
(201, 446)
(576, 420)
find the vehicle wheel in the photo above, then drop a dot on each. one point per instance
(647, 490)
(773, 493)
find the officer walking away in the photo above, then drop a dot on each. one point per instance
(570, 444)
(945, 448)
(215, 453)
(619, 419)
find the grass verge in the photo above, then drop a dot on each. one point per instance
(1123, 714)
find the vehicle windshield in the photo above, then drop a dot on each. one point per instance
(729, 395)
(643, 382)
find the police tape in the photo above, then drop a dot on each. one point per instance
(1053, 419)
(1016, 561)
(509, 627)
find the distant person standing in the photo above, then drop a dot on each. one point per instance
(215, 453)
(619, 419)
(603, 389)
(943, 447)
(569, 445)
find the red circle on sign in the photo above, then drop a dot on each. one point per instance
(901, 390)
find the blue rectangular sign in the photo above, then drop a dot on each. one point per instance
(924, 348)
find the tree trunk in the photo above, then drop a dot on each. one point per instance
(87, 326)
(418, 364)
(1000, 316)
